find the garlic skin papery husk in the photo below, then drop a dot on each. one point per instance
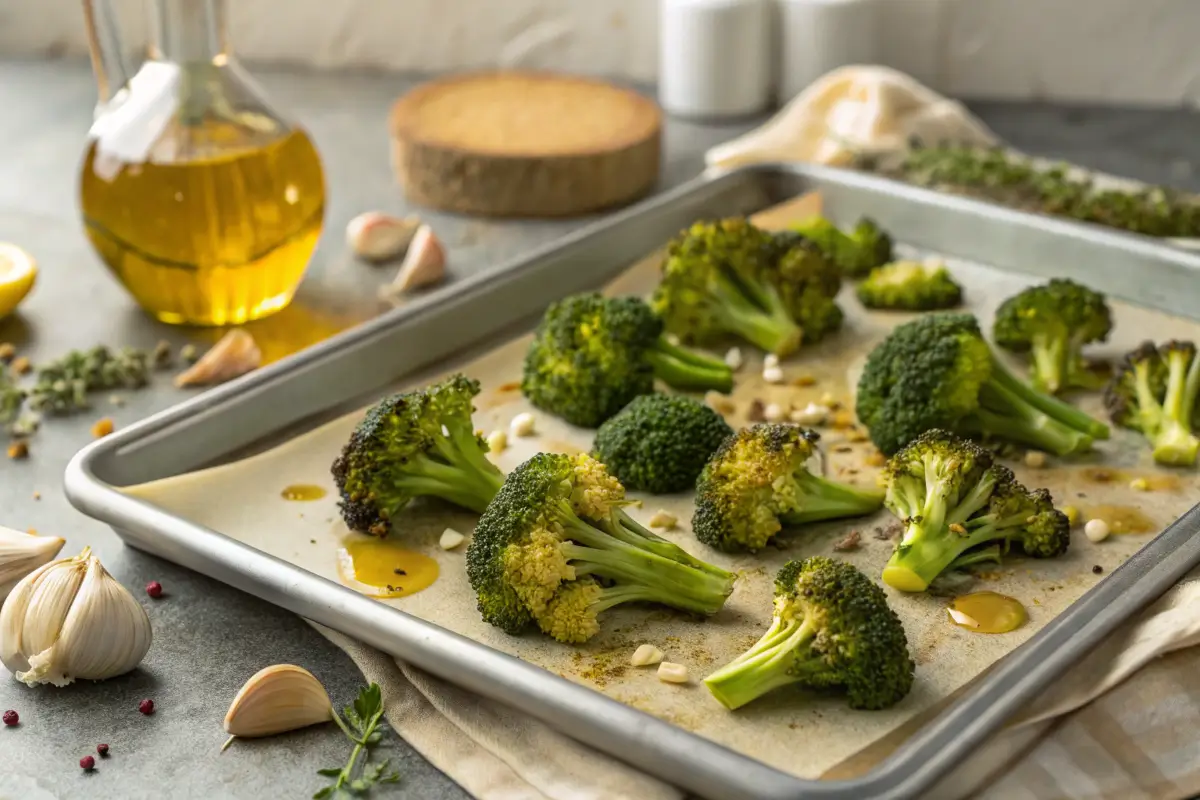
(70, 620)
(21, 553)
(275, 700)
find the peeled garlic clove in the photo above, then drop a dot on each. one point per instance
(276, 700)
(22, 553)
(375, 236)
(233, 356)
(424, 265)
(71, 620)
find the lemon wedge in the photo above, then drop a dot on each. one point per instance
(18, 271)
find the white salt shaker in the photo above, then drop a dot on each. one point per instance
(818, 36)
(715, 58)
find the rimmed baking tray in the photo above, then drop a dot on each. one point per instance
(316, 384)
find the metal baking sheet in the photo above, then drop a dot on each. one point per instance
(312, 384)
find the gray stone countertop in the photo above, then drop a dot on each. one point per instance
(210, 638)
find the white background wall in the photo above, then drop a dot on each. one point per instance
(1104, 51)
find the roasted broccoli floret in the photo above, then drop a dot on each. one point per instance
(955, 501)
(938, 372)
(809, 284)
(1052, 323)
(854, 254)
(659, 443)
(592, 354)
(909, 286)
(758, 482)
(413, 444)
(555, 548)
(1154, 391)
(832, 628)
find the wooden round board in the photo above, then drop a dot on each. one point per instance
(525, 144)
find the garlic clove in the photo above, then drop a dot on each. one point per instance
(233, 356)
(424, 265)
(276, 700)
(33, 615)
(375, 236)
(21, 553)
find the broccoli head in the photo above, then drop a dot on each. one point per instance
(809, 284)
(556, 548)
(659, 443)
(938, 372)
(909, 286)
(413, 444)
(955, 502)
(854, 254)
(758, 482)
(831, 628)
(1154, 392)
(1052, 323)
(592, 354)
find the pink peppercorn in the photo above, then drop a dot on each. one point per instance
(102, 749)
(11, 718)
(154, 589)
(87, 763)
(146, 706)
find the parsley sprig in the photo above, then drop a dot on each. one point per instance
(363, 724)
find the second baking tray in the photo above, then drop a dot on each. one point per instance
(354, 367)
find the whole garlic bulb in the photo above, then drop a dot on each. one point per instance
(22, 553)
(70, 619)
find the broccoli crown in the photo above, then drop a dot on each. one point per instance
(413, 444)
(909, 286)
(809, 284)
(1154, 391)
(955, 501)
(854, 254)
(659, 443)
(555, 548)
(832, 628)
(757, 482)
(937, 372)
(1052, 323)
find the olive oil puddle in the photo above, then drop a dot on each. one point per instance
(302, 492)
(987, 612)
(381, 568)
(1122, 519)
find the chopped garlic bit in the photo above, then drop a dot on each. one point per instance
(773, 412)
(962, 619)
(1035, 459)
(733, 358)
(772, 374)
(828, 400)
(811, 414)
(1096, 530)
(497, 441)
(1139, 485)
(771, 360)
(663, 519)
(1072, 515)
(451, 539)
(669, 672)
(522, 424)
(672, 339)
(647, 655)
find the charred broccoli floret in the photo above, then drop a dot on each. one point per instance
(955, 502)
(659, 443)
(413, 444)
(555, 548)
(909, 286)
(832, 628)
(1154, 392)
(592, 354)
(1052, 323)
(758, 482)
(809, 284)
(938, 372)
(854, 254)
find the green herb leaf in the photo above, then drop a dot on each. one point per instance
(323, 793)
(362, 723)
(330, 772)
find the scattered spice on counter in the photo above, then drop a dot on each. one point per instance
(154, 589)
(21, 366)
(102, 427)
(189, 353)
(146, 707)
(850, 541)
(37, 495)
(754, 413)
(87, 763)
(102, 749)
(1097, 569)
(18, 450)
(63, 385)
(11, 718)
(161, 356)
(7, 352)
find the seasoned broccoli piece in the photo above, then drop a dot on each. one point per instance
(854, 254)
(832, 628)
(809, 284)
(413, 444)
(938, 372)
(1052, 323)
(555, 548)
(1154, 391)
(909, 286)
(955, 502)
(757, 483)
(659, 443)
(592, 354)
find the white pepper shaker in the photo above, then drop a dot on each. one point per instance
(818, 36)
(715, 58)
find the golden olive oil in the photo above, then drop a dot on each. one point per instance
(220, 237)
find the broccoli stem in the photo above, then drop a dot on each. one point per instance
(821, 499)
(771, 663)
(1010, 409)
(460, 473)
(683, 369)
(773, 330)
(982, 555)
(1052, 407)
(1051, 357)
(1174, 443)
(927, 549)
(628, 530)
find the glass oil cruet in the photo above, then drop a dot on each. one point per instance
(203, 201)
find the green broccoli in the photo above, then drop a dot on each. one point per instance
(938, 372)
(757, 483)
(1154, 392)
(1052, 323)
(413, 444)
(659, 443)
(831, 628)
(555, 548)
(592, 354)
(956, 501)
(719, 279)
(854, 254)
(809, 284)
(909, 286)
